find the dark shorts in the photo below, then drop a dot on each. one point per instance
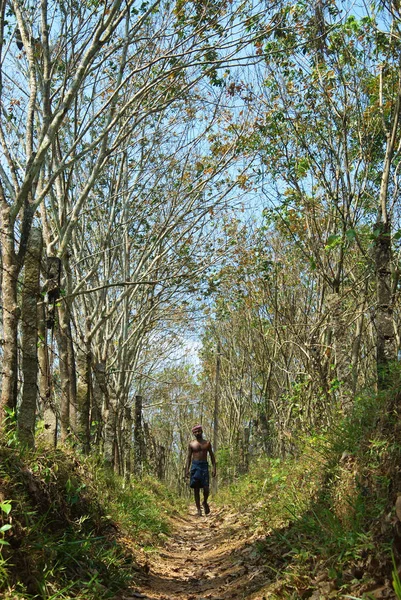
(199, 474)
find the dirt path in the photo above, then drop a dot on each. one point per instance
(217, 558)
(209, 558)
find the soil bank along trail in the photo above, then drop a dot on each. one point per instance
(209, 558)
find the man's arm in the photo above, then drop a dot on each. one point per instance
(188, 464)
(213, 459)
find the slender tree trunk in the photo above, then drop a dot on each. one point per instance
(9, 382)
(356, 346)
(266, 430)
(127, 443)
(385, 333)
(48, 408)
(245, 450)
(161, 462)
(29, 318)
(72, 376)
(62, 343)
(84, 392)
(138, 437)
(119, 446)
(216, 411)
(151, 447)
(99, 400)
(110, 431)
(72, 373)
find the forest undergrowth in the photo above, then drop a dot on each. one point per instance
(329, 511)
(69, 526)
(325, 519)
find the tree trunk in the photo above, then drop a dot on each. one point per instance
(385, 333)
(161, 462)
(9, 383)
(138, 438)
(127, 443)
(84, 394)
(216, 411)
(99, 400)
(62, 343)
(72, 373)
(29, 318)
(48, 408)
(110, 431)
(118, 446)
(356, 346)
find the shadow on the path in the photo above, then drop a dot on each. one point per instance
(209, 558)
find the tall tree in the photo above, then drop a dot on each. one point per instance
(83, 87)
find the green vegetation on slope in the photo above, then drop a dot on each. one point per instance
(326, 516)
(64, 519)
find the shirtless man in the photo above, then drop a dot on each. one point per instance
(197, 453)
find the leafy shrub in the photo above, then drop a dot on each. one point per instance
(69, 519)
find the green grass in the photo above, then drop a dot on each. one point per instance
(328, 509)
(72, 524)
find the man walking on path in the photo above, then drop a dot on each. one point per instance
(197, 453)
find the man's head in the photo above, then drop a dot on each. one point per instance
(197, 431)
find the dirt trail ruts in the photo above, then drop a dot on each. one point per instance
(211, 558)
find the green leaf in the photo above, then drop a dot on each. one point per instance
(333, 241)
(302, 167)
(5, 527)
(350, 234)
(6, 506)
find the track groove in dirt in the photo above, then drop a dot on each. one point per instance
(207, 558)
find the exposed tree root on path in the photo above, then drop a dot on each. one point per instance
(209, 558)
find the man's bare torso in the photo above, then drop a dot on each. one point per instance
(199, 449)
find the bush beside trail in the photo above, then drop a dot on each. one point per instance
(65, 525)
(328, 513)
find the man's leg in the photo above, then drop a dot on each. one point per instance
(197, 501)
(205, 497)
